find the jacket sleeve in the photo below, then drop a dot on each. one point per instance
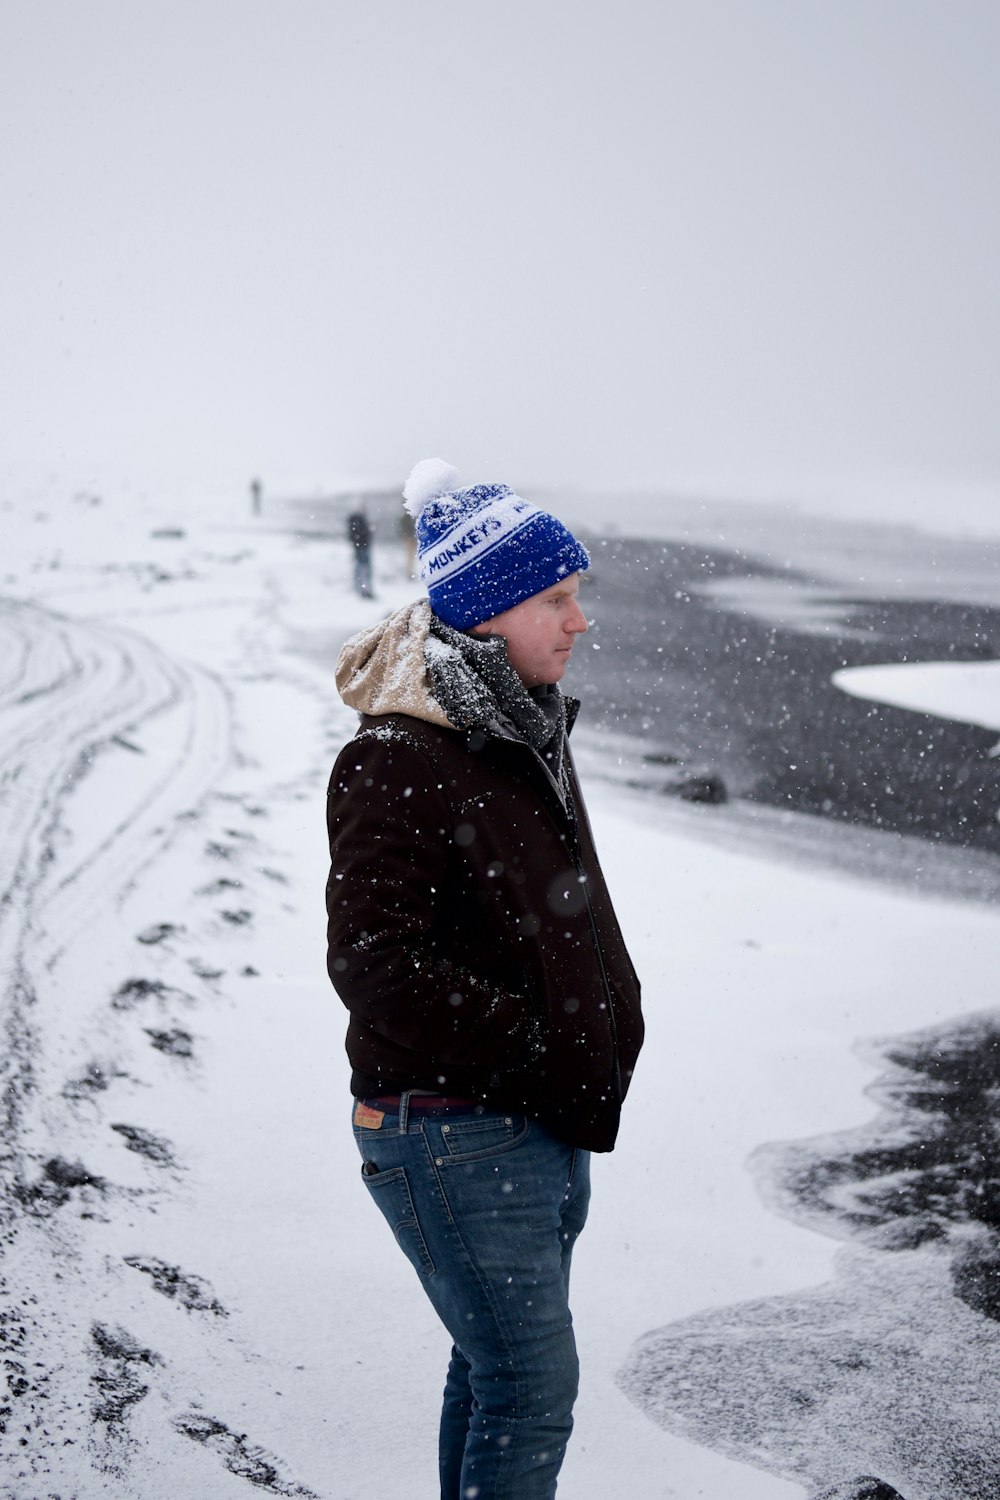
(391, 842)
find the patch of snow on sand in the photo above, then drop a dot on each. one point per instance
(968, 691)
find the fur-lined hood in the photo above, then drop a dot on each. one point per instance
(383, 670)
(412, 663)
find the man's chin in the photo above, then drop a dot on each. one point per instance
(549, 679)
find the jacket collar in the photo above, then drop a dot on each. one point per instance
(411, 663)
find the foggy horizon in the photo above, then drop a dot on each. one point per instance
(558, 244)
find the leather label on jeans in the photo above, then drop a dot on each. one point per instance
(366, 1117)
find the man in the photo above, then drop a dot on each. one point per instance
(359, 534)
(495, 1013)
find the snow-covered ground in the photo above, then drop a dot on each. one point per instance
(197, 1294)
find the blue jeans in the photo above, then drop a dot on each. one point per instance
(363, 572)
(487, 1208)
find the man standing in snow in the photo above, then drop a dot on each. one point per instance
(359, 534)
(494, 1010)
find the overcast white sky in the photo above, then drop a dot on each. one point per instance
(556, 241)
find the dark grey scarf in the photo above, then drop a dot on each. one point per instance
(474, 682)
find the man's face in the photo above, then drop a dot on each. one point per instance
(540, 631)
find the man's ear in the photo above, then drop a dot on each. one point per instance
(482, 629)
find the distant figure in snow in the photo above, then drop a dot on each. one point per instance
(359, 534)
(256, 490)
(408, 536)
(494, 1011)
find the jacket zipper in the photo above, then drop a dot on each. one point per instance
(572, 821)
(581, 872)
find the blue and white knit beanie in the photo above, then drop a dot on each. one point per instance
(483, 549)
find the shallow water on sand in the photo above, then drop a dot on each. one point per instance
(893, 1368)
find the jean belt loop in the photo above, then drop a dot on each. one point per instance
(404, 1113)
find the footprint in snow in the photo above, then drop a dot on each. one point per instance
(204, 970)
(118, 1385)
(158, 933)
(170, 1281)
(134, 991)
(153, 1147)
(55, 1187)
(238, 918)
(240, 1456)
(173, 1042)
(94, 1081)
(216, 887)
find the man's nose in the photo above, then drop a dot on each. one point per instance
(576, 622)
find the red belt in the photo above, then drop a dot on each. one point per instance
(421, 1101)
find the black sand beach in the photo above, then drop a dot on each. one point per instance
(685, 664)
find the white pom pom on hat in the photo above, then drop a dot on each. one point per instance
(429, 480)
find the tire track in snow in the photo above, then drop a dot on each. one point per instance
(77, 831)
(67, 688)
(69, 849)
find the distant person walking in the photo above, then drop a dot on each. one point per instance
(408, 536)
(359, 534)
(494, 1011)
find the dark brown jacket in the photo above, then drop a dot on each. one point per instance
(471, 935)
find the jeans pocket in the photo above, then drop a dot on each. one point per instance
(482, 1136)
(390, 1192)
